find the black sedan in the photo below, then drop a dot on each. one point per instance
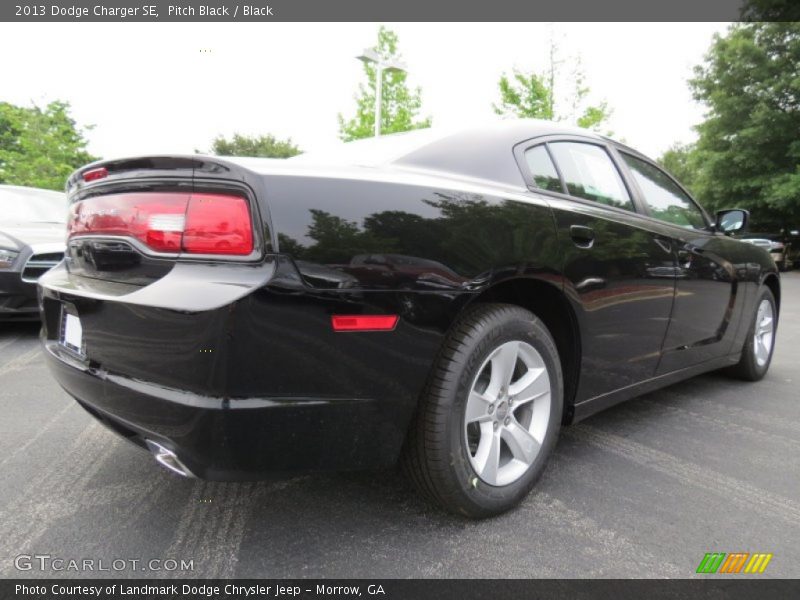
(32, 237)
(447, 301)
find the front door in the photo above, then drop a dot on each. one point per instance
(701, 325)
(619, 275)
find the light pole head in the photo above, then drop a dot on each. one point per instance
(393, 65)
(369, 56)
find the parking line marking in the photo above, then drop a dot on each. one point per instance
(616, 548)
(56, 493)
(211, 532)
(730, 488)
(745, 415)
(680, 411)
(9, 342)
(17, 363)
(52, 421)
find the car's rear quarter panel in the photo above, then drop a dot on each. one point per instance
(452, 245)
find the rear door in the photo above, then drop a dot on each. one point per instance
(619, 269)
(701, 326)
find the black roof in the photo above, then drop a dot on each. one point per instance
(483, 152)
(486, 152)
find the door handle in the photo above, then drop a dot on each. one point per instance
(582, 236)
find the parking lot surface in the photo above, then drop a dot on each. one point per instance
(644, 489)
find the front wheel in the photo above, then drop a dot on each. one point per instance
(489, 417)
(757, 351)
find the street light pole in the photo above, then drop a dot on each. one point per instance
(371, 56)
(378, 99)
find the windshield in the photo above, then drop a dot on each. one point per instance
(28, 206)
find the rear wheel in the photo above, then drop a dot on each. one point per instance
(490, 415)
(757, 351)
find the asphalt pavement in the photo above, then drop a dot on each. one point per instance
(644, 489)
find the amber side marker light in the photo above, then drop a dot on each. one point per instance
(364, 322)
(93, 174)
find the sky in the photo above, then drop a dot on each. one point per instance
(172, 87)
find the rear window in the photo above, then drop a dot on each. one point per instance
(542, 169)
(589, 173)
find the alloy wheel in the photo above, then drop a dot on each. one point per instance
(507, 413)
(764, 332)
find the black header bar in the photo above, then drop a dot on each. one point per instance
(710, 587)
(380, 10)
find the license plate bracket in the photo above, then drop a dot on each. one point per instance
(71, 335)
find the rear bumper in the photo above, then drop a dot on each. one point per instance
(226, 440)
(253, 383)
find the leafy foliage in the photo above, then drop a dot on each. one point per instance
(399, 105)
(40, 147)
(771, 10)
(264, 145)
(748, 151)
(525, 95)
(532, 95)
(680, 161)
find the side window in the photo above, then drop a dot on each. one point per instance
(666, 200)
(542, 169)
(589, 173)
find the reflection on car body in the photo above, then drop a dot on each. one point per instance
(779, 248)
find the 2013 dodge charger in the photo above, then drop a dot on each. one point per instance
(445, 300)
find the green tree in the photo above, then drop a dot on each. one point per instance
(40, 147)
(264, 145)
(681, 161)
(531, 95)
(770, 10)
(748, 150)
(525, 95)
(399, 105)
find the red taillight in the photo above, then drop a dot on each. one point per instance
(157, 220)
(363, 322)
(217, 225)
(169, 221)
(93, 174)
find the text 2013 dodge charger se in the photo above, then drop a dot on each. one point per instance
(447, 300)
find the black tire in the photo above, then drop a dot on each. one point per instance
(748, 367)
(435, 457)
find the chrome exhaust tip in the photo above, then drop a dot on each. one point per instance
(168, 459)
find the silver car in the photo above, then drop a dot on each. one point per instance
(32, 232)
(778, 249)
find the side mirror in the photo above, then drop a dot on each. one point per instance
(732, 220)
